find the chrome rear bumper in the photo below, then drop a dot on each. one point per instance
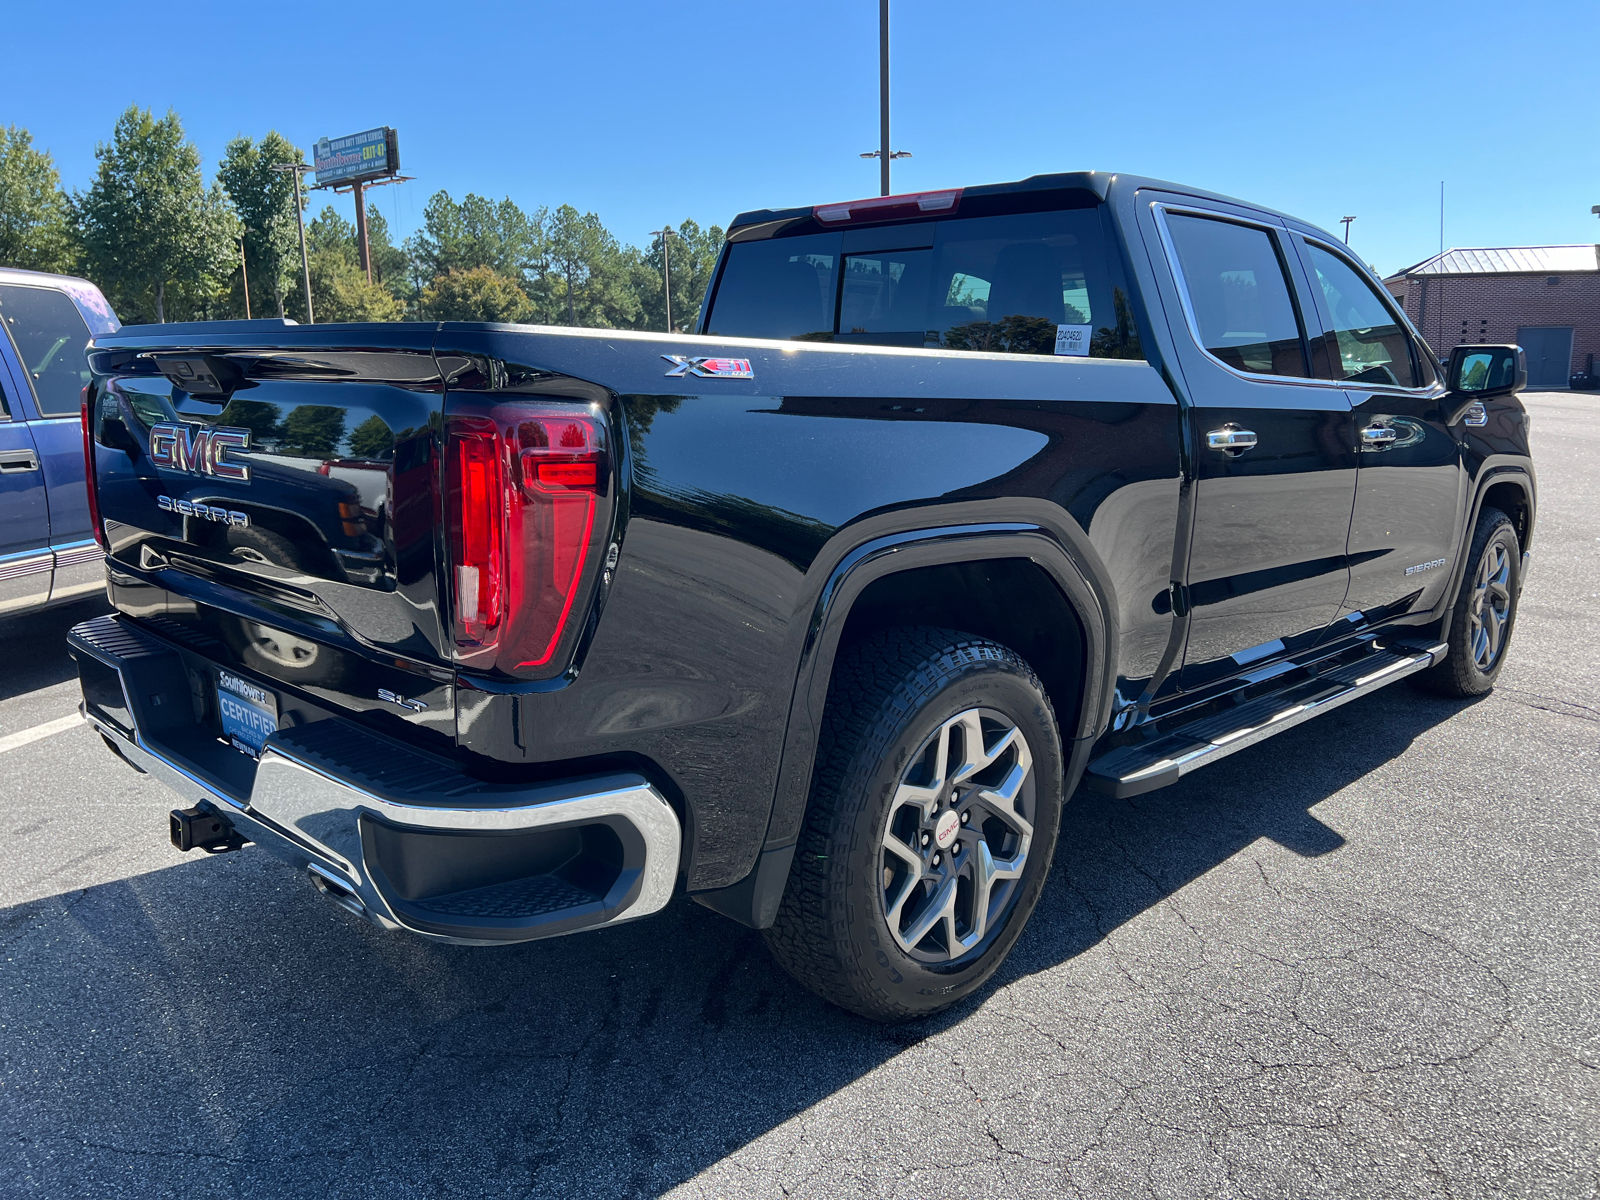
(399, 836)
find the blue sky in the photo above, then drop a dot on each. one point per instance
(647, 113)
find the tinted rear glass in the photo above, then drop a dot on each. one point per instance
(1030, 283)
(783, 288)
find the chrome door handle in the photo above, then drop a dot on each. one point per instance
(17, 461)
(1379, 435)
(1230, 439)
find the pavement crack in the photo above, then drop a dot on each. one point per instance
(1551, 704)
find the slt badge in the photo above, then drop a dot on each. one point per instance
(199, 450)
(709, 368)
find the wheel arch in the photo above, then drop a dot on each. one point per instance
(1013, 601)
(957, 561)
(1511, 490)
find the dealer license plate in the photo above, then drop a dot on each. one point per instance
(249, 713)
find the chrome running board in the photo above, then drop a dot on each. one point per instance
(1142, 767)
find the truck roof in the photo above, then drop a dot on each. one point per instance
(1098, 183)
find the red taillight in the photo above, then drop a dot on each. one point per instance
(890, 208)
(91, 485)
(524, 486)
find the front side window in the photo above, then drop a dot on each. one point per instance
(1239, 295)
(1373, 347)
(1029, 283)
(50, 338)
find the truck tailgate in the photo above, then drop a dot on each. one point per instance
(274, 493)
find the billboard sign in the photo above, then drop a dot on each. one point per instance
(357, 156)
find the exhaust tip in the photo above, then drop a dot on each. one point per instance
(336, 889)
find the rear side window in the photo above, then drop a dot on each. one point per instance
(1030, 283)
(1239, 295)
(1373, 348)
(782, 288)
(50, 337)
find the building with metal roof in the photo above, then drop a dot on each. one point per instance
(1545, 299)
(1507, 260)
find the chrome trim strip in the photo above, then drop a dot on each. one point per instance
(28, 562)
(1277, 232)
(1233, 740)
(73, 554)
(1160, 210)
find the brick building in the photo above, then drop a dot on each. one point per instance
(1545, 299)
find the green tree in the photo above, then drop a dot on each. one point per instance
(339, 288)
(259, 417)
(154, 239)
(36, 228)
(205, 284)
(313, 431)
(584, 276)
(693, 256)
(265, 201)
(474, 233)
(372, 439)
(476, 294)
(389, 263)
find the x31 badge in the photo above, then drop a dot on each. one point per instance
(709, 368)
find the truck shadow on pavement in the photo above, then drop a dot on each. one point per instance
(217, 1028)
(33, 649)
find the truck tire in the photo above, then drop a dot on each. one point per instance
(934, 808)
(1485, 611)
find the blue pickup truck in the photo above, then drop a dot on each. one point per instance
(48, 553)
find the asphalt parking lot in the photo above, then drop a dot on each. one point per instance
(1358, 960)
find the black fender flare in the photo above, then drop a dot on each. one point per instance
(754, 900)
(1513, 473)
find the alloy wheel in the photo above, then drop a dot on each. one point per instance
(1490, 610)
(957, 836)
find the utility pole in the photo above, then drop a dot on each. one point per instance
(244, 270)
(299, 169)
(1441, 216)
(362, 249)
(665, 233)
(1346, 222)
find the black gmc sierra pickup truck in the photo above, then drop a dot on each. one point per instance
(956, 500)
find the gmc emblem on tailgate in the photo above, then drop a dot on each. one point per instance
(198, 450)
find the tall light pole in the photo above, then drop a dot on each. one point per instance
(884, 155)
(883, 94)
(300, 169)
(1345, 221)
(664, 233)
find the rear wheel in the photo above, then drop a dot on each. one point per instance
(1485, 611)
(933, 817)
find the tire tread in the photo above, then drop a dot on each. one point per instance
(879, 683)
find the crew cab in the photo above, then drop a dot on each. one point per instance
(955, 501)
(47, 555)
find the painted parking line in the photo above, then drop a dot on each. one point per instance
(23, 736)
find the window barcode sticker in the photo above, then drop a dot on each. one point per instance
(1073, 339)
